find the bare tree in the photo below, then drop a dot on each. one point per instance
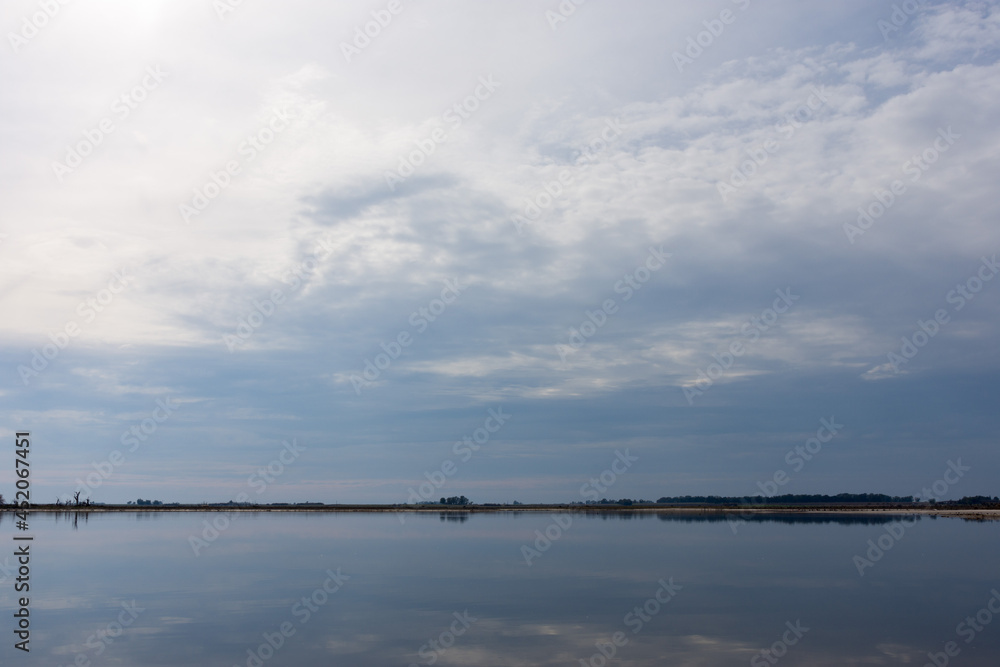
(76, 498)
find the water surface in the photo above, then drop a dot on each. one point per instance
(379, 591)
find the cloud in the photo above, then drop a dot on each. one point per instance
(768, 164)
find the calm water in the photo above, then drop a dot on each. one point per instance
(392, 588)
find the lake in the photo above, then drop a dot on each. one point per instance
(505, 589)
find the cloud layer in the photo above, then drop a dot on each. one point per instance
(688, 231)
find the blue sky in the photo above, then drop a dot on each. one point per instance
(687, 230)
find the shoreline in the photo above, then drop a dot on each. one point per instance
(983, 513)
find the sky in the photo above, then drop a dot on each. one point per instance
(390, 251)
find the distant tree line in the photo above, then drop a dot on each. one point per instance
(868, 519)
(454, 500)
(621, 501)
(805, 499)
(976, 500)
(787, 499)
